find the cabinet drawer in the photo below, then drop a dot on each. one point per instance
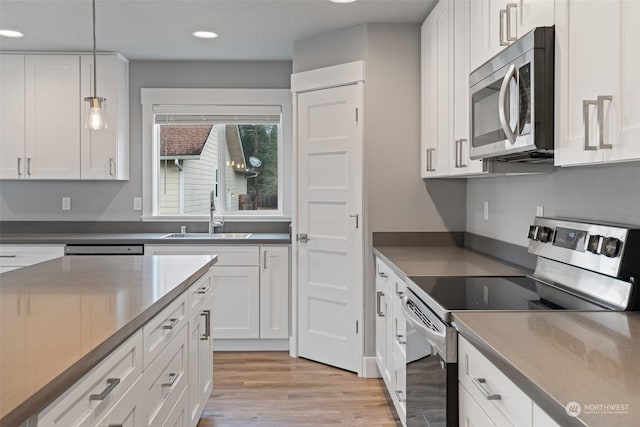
(179, 415)
(24, 255)
(470, 414)
(399, 393)
(199, 292)
(227, 254)
(128, 411)
(399, 328)
(164, 382)
(497, 395)
(91, 397)
(163, 327)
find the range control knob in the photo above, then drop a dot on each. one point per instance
(533, 232)
(594, 244)
(545, 234)
(611, 247)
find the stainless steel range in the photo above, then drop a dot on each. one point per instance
(580, 266)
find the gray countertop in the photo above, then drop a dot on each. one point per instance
(135, 238)
(441, 261)
(591, 358)
(48, 339)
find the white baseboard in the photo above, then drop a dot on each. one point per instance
(370, 368)
(250, 345)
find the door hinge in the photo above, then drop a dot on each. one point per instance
(356, 115)
(356, 326)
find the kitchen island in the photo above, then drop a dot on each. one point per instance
(60, 319)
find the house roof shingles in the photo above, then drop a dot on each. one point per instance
(184, 140)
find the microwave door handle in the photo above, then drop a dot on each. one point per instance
(502, 107)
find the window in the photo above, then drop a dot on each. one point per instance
(235, 153)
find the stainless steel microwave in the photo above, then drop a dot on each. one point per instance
(511, 105)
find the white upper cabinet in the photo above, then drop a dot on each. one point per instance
(597, 64)
(52, 112)
(105, 153)
(12, 155)
(437, 90)
(42, 129)
(495, 24)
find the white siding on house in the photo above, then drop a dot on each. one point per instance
(169, 188)
(199, 177)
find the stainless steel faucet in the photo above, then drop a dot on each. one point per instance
(212, 207)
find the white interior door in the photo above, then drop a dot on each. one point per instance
(330, 213)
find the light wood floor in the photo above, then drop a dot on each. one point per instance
(272, 389)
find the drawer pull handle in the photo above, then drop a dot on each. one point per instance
(400, 339)
(382, 274)
(115, 425)
(172, 379)
(203, 290)
(172, 322)
(399, 394)
(111, 384)
(378, 295)
(481, 384)
(8, 256)
(207, 325)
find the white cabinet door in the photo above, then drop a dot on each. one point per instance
(274, 292)
(104, 153)
(236, 302)
(52, 87)
(487, 26)
(588, 67)
(628, 147)
(459, 160)
(534, 13)
(437, 42)
(200, 362)
(383, 314)
(470, 414)
(12, 124)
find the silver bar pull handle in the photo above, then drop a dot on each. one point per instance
(462, 163)
(600, 103)
(111, 384)
(430, 152)
(29, 166)
(401, 340)
(357, 217)
(399, 394)
(172, 323)
(8, 256)
(19, 168)
(511, 6)
(503, 16)
(382, 274)
(264, 260)
(481, 384)
(379, 304)
(587, 124)
(203, 290)
(111, 163)
(457, 165)
(173, 377)
(207, 325)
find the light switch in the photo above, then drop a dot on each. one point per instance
(539, 210)
(66, 203)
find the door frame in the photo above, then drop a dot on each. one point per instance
(306, 81)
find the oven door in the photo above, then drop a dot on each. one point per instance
(502, 111)
(432, 382)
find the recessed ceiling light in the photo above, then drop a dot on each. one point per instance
(11, 33)
(342, 1)
(205, 34)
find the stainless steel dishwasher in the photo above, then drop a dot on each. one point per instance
(104, 250)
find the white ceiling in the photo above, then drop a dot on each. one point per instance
(161, 29)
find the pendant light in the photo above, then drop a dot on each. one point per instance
(96, 114)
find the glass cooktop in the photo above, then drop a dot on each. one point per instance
(483, 293)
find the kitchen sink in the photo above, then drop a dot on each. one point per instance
(206, 236)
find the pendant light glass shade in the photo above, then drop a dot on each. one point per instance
(96, 113)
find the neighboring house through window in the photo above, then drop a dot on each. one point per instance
(240, 152)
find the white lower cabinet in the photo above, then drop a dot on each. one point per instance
(391, 333)
(251, 284)
(13, 257)
(149, 380)
(489, 398)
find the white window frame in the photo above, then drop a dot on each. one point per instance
(219, 97)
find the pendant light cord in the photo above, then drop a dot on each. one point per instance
(95, 63)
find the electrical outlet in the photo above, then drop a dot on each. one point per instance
(66, 203)
(539, 210)
(137, 203)
(486, 211)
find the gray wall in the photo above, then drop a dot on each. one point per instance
(113, 201)
(602, 193)
(395, 197)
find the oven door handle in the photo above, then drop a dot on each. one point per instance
(435, 339)
(502, 101)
